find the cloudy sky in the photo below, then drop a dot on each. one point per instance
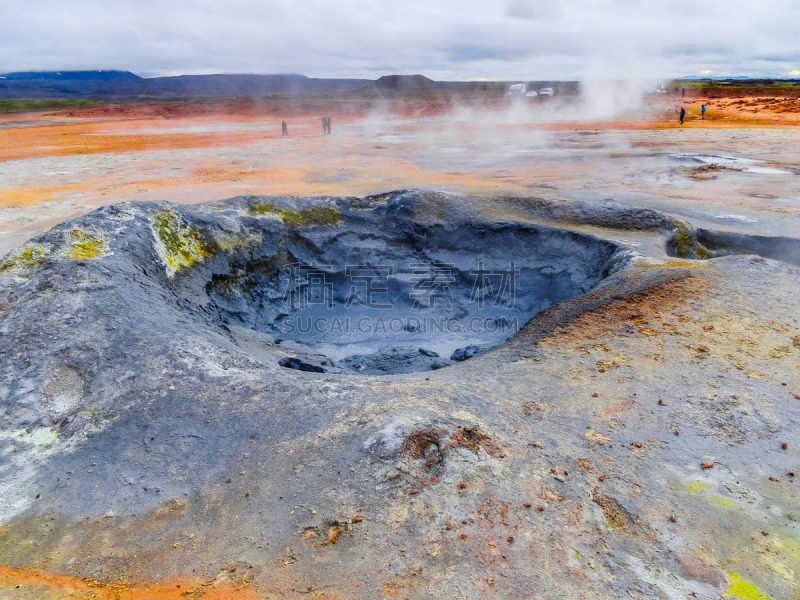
(443, 39)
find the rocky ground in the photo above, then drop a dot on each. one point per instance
(638, 440)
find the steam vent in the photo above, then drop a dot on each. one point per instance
(412, 395)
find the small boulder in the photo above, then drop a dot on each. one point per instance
(463, 354)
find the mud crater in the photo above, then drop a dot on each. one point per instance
(382, 293)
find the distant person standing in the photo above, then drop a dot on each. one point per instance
(324, 125)
(328, 124)
(683, 114)
(683, 92)
(703, 112)
(284, 128)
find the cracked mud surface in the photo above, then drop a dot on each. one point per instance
(628, 441)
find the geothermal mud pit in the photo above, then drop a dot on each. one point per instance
(380, 294)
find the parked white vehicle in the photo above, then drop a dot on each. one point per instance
(546, 92)
(516, 90)
(531, 95)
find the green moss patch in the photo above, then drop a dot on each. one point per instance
(683, 241)
(722, 501)
(84, 246)
(23, 259)
(181, 246)
(21, 105)
(696, 486)
(318, 215)
(741, 589)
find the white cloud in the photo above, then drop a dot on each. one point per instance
(514, 39)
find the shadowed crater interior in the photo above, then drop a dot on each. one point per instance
(383, 291)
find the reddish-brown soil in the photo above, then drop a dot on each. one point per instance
(32, 584)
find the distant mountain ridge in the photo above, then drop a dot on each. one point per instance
(123, 85)
(68, 75)
(709, 77)
(405, 83)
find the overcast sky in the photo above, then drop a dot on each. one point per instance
(443, 39)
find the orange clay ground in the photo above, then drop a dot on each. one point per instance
(30, 584)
